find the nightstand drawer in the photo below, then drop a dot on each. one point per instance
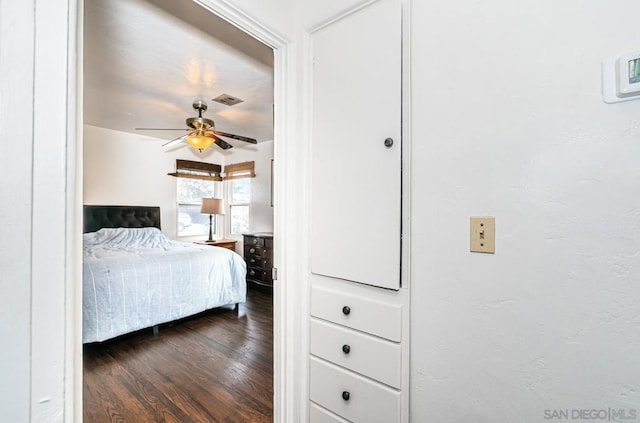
(229, 244)
(253, 261)
(259, 274)
(365, 354)
(253, 241)
(352, 396)
(250, 250)
(377, 318)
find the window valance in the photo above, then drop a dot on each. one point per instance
(197, 170)
(239, 170)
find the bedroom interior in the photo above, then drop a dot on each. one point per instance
(136, 132)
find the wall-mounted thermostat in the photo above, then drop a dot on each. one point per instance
(621, 78)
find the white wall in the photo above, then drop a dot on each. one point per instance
(508, 121)
(260, 210)
(128, 169)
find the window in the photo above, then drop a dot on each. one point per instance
(238, 177)
(239, 199)
(189, 197)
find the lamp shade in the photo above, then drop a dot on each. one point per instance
(212, 206)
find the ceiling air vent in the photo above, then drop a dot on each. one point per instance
(227, 100)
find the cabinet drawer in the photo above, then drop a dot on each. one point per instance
(250, 250)
(318, 414)
(365, 354)
(374, 317)
(254, 261)
(367, 401)
(255, 241)
(259, 274)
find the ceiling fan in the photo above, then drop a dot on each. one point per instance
(202, 132)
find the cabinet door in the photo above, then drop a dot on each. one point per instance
(356, 179)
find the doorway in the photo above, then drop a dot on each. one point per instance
(274, 42)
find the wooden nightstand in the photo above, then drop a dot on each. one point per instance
(229, 244)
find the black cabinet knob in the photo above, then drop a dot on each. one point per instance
(346, 395)
(346, 349)
(346, 310)
(388, 142)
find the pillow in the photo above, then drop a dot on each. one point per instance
(127, 238)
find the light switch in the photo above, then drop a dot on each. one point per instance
(483, 234)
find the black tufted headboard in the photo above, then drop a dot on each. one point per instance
(97, 217)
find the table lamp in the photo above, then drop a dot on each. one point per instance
(211, 206)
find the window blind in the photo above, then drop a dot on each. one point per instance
(239, 170)
(197, 170)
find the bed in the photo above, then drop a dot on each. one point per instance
(134, 277)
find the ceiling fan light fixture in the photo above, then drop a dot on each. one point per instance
(202, 132)
(200, 142)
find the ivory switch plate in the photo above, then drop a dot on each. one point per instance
(483, 234)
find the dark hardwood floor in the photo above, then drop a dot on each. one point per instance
(213, 367)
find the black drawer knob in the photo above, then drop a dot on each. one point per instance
(346, 395)
(388, 142)
(346, 310)
(346, 349)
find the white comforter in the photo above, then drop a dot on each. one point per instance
(138, 278)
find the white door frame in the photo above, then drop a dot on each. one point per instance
(284, 358)
(288, 395)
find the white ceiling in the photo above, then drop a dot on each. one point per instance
(145, 61)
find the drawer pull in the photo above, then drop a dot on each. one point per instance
(346, 349)
(252, 272)
(346, 310)
(346, 395)
(252, 250)
(255, 240)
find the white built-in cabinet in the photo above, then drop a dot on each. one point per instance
(356, 197)
(359, 304)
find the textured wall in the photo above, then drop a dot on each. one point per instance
(508, 121)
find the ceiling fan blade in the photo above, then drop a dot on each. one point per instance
(161, 129)
(236, 137)
(174, 141)
(222, 143)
